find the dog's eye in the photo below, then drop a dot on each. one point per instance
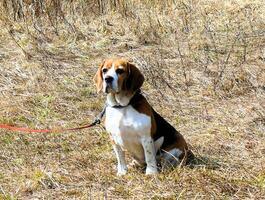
(104, 70)
(119, 71)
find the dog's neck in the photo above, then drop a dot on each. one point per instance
(121, 99)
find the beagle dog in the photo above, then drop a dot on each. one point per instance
(132, 123)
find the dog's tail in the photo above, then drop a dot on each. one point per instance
(187, 158)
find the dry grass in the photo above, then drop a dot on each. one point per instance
(204, 62)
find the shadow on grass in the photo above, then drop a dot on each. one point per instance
(192, 161)
(203, 162)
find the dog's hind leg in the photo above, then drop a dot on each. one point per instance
(158, 143)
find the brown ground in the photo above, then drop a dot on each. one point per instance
(204, 63)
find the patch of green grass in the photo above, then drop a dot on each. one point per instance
(180, 120)
(122, 190)
(74, 193)
(18, 161)
(2, 176)
(165, 197)
(66, 147)
(43, 108)
(7, 197)
(37, 175)
(260, 181)
(23, 119)
(100, 150)
(86, 92)
(14, 120)
(260, 133)
(8, 138)
(23, 139)
(43, 113)
(102, 43)
(95, 105)
(24, 42)
(10, 121)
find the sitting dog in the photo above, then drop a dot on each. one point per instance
(132, 123)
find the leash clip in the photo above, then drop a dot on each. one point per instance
(97, 121)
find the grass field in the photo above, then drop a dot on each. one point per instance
(204, 64)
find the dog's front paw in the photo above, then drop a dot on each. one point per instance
(121, 172)
(151, 171)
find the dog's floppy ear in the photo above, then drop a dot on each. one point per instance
(98, 78)
(135, 79)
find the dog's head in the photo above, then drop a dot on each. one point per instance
(116, 75)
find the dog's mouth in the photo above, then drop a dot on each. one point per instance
(110, 89)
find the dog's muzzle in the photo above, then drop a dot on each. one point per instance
(109, 84)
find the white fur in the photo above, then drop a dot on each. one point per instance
(158, 143)
(131, 131)
(118, 99)
(150, 155)
(122, 168)
(123, 99)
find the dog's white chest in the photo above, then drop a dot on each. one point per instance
(127, 126)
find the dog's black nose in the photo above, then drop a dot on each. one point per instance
(109, 79)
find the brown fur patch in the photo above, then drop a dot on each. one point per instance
(160, 127)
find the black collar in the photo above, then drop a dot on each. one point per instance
(132, 101)
(119, 106)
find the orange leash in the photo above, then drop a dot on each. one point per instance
(28, 130)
